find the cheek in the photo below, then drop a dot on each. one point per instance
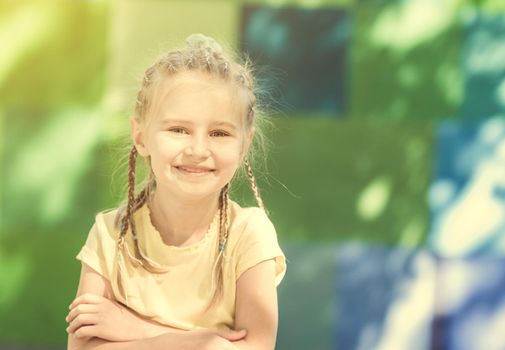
(229, 156)
(165, 146)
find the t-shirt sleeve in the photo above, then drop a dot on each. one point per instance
(98, 251)
(258, 243)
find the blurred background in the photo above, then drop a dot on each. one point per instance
(386, 178)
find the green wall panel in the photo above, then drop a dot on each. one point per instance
(405, 61)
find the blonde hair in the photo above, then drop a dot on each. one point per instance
(203, 54)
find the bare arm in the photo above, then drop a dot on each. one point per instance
(187, 340)
(149, 335)
(91, 282)
(256, 307)
(160, 342)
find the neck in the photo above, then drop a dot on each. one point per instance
(181, 223)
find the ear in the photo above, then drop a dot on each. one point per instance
(247, 142)
(138, 137)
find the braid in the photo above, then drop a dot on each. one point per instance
(218, 269)
(141, 198)
(201, 53)
(223, 217)
(125, 220)
(254, 186)
(208, 62)
(142, 102)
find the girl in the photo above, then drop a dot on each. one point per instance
(181, 266)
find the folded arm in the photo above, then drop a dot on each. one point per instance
(97, 322)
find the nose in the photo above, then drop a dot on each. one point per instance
(198, 147)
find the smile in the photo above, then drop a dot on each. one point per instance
(189, 170)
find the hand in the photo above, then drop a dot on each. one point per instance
(96, 316)
(206, 339)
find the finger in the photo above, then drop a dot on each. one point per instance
(87, 332)
(232, 335)
(80, 321)
(81, 309)
(87, 298)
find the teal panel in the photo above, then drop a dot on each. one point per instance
(307, 297)
(484, 65)
(469, 178)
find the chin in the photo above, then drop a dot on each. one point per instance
(194, 194)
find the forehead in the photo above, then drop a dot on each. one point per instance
(197, 96)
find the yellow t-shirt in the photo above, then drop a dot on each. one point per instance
(179, 297)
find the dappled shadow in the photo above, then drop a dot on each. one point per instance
(483, 64)
(405, 60)
(467, 196)
(385, 298)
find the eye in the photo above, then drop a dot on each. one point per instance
(219, 133)
(178, 130)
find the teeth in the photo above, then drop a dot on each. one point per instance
(194, 170)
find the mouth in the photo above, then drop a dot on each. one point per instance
(193, 170)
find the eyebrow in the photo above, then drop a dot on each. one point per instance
(186, 122)
(174, 121)
(228, 124)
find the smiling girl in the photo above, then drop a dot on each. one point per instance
(181, 265)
